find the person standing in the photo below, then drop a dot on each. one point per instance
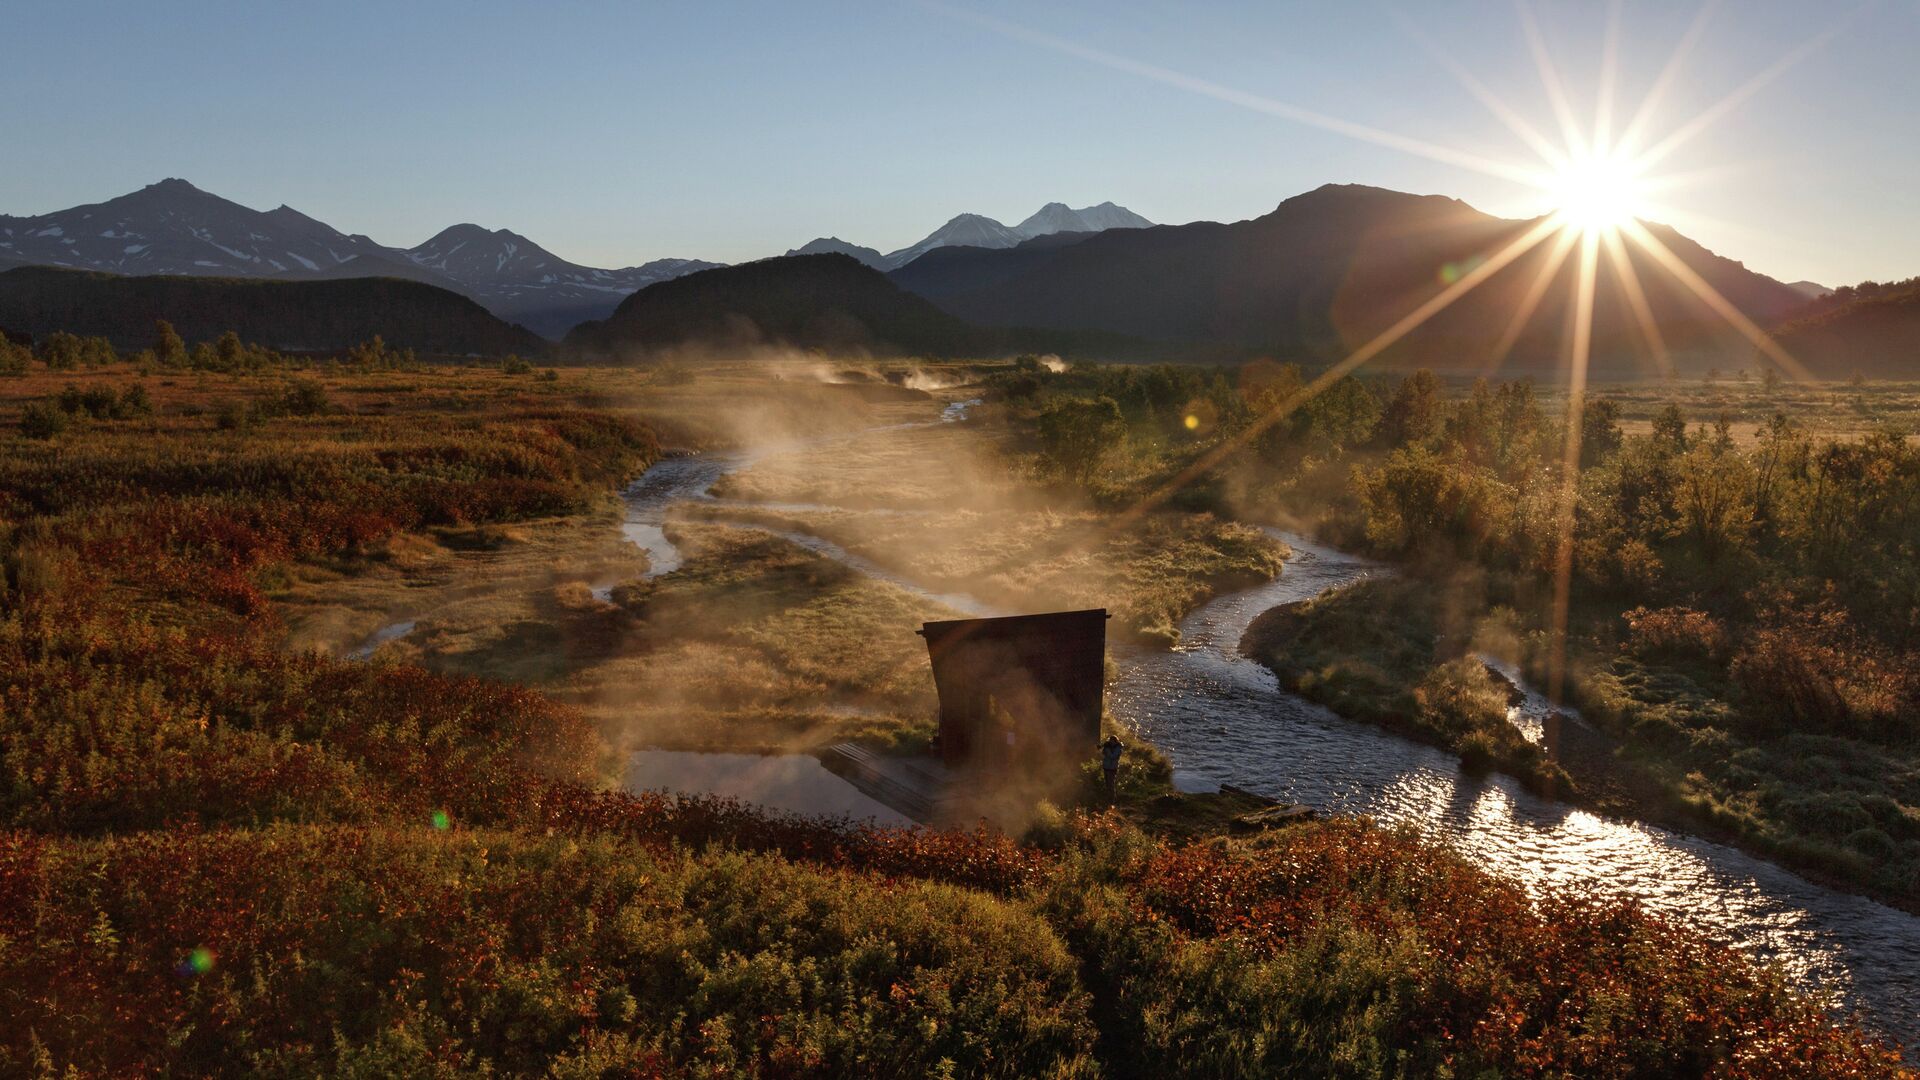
(1110, 752)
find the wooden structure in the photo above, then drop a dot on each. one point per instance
(1019, 693)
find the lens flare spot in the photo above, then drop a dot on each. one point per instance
(441, 821)
(1192, 422)
(1454, 271)
(197, 962)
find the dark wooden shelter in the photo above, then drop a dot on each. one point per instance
(1019, 692)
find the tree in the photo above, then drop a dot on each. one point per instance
(1599, 431)
(1342, 415)
(1078, 432)
(1413, 413)
(13, 358)
(230, 353)
(61, 351)
(1712, 494)
(168, 346)
(1670, 430)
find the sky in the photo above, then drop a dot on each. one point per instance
(615, 133)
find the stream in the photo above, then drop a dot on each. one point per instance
(1223, 718)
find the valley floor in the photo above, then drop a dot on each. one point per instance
(232, 848)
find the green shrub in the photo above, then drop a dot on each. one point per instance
(231, 415)
(515, 365)
(42, 420)
(306, 397)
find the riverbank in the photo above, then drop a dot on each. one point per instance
(1388, 649)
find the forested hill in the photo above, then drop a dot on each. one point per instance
(1871, 330)
(290, 315)
(828, 301)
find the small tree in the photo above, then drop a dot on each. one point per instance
(230, 352)
(1413, 413)
(1599, 430)
(1078, 432)
(1670, 430)
(61, 351)
(13, 358)
(168, 347)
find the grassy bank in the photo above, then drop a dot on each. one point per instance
(1375, 651)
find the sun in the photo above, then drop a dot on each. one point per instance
(1597, 193)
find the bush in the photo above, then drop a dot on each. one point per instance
(1676, 633)
(42, 420)
(515, 365)
(134, 403)
(14, 359)
(1787, 679)
(306, 397)
(232, 416)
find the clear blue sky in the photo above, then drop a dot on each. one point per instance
(613, 133)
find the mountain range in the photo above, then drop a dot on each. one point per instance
(1320, 275)
(1328, 270)
(173, 227)
(980, 231)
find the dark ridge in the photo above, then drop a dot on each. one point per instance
(291, 315)
(831, 303)
(1870, 330)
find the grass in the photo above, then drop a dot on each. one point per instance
(221, 855)
(1836, 410)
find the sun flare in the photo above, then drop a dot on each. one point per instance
(1597, 194)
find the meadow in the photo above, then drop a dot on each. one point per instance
(229, 850)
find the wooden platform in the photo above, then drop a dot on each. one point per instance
(919, 787)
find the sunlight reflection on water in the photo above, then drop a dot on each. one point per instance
(1222, 718)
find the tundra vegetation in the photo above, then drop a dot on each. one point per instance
(227, 850)
(1744, 609)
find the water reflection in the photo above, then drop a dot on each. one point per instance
(1222, 718)
(794, 783)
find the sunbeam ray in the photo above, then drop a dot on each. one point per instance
(1385, 339)
(1662, 83)
(1530, 302)
(1711, 115)
(1579, 353)
(1550, 78)
(1711, 297)
(1555, 156)
(1609, 80)
(1518, 173)
(1629, 280)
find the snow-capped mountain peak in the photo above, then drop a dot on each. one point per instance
(173, 227)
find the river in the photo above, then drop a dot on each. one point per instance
(1223, 718)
